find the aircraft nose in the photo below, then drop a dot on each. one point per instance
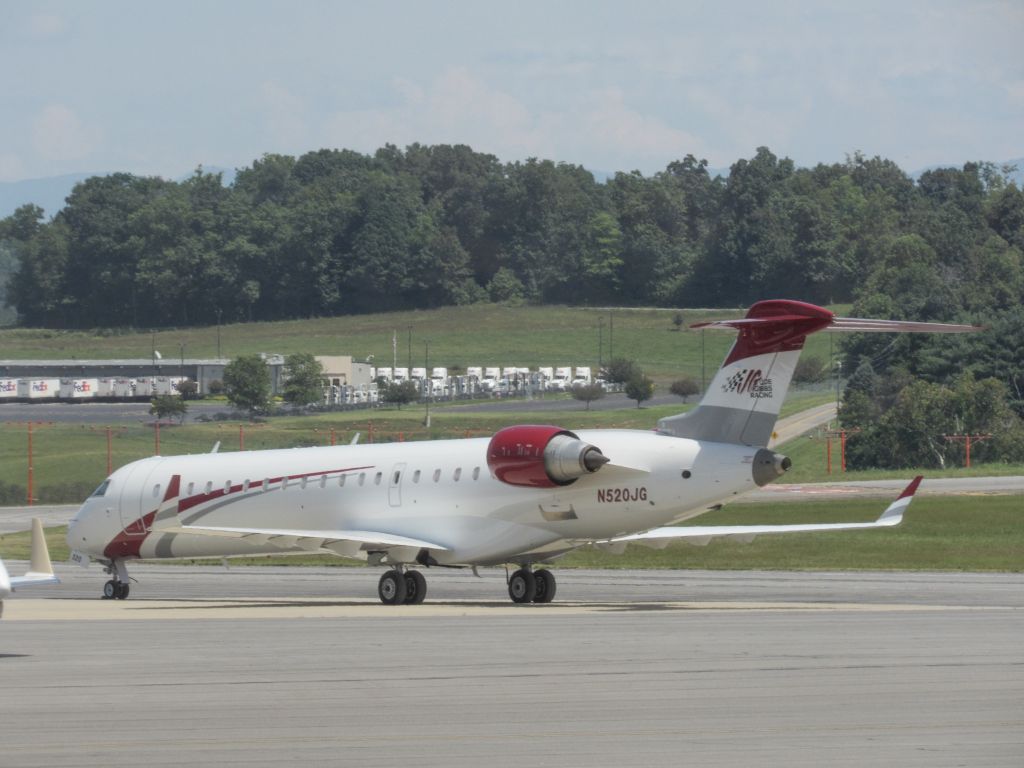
(74, 533)
(82, 529)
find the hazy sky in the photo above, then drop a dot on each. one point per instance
(161, 87)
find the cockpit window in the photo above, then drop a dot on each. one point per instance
(102, 489)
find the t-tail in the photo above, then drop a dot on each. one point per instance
(742, 403)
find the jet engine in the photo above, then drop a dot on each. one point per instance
(538, 456)
(769, 466)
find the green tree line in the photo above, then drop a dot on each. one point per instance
(339, 232)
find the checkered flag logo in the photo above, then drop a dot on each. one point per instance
(749, 381)
(735, 382)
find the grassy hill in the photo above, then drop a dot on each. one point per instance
(481, 334)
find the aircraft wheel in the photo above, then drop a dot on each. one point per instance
(391, 588)
(522, 586)
(110, 590)
(415, 587)
(546, 586)
(122, 591)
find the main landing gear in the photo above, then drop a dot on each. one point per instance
(397, 587)
(117, 588)
(526, 586)
(408, 587)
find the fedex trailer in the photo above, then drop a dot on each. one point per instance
(38, 389)
(78, 389)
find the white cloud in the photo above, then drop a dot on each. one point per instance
(594, 128)
(456, 107)
(45, 26)
(611, 128)
(58, 134)
(1015, 93)
(284, 113)
(12, 168)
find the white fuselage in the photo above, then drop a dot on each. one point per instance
(440, 491)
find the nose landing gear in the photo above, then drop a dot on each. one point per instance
(117, 588)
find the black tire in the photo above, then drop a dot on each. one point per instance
(546, 586)
(391, 588)
(110, 590)
(122, 591)
(522, 586)
(415, 587)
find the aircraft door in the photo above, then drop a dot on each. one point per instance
(135, 499)
(395, 485)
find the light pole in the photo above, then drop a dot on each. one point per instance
(430, 382)
(703, 379)
(218, 332)
(611, 335)
(839, 377)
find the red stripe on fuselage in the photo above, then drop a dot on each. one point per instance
(128, 543)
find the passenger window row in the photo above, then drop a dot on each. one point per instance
(304, 482)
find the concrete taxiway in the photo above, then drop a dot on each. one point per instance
(274, 666)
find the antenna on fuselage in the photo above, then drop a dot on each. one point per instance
(216, 447)
(355, 439)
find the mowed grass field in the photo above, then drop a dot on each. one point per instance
(951, 533)
(69, 460)
(481, 334)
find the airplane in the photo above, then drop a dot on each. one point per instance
(523, 497)
(40, 570)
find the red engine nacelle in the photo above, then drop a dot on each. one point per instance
(538, 456)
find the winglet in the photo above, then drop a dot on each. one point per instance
(40, 569)
(911, 489)
(40, 558)
(893, 514)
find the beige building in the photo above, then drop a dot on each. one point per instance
(342, 370)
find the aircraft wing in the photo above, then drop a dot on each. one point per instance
(31, 579)
(701, 535)
(306, 538)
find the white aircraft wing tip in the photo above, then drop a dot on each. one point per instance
(892, 516)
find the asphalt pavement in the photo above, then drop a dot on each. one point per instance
(270, 667)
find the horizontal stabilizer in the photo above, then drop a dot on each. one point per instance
(861, 325)
(839, 324)
(742, 403)
(701, 535)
